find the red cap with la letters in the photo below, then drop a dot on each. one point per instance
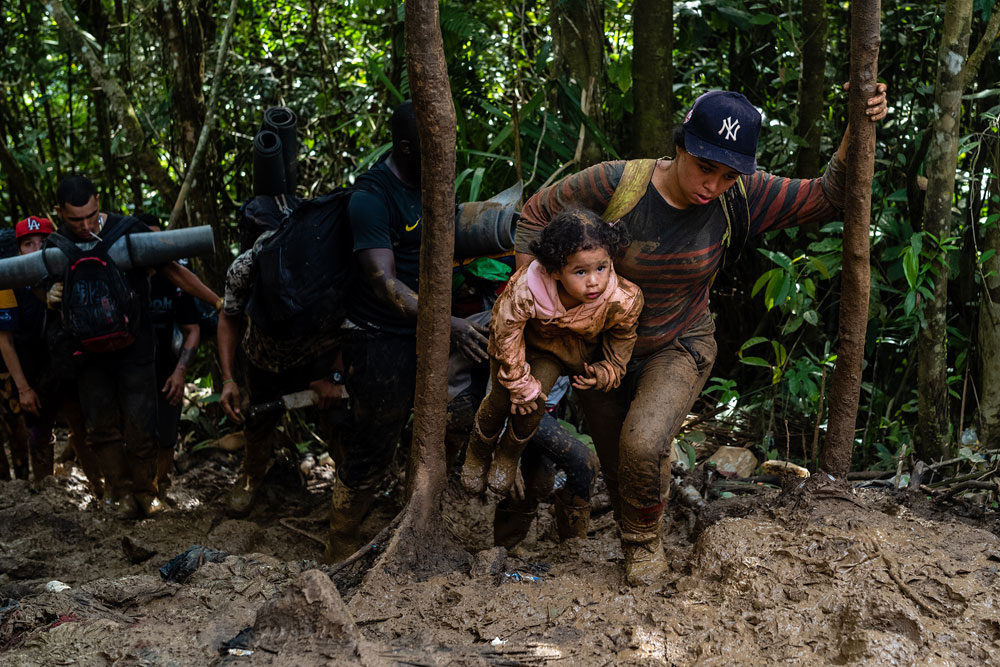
(33, 225)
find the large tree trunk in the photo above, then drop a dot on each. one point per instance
(932, 350)
(845, 385)
(812, 101)
(420, 545)
(578, 40)
(652, 77)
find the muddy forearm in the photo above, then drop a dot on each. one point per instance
(395, 293)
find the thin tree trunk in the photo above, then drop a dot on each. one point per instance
(578, 40)
(845, 385)
(195, 162)
(811, 98)
(988, 335)
(652, 77)
(420, 540)
(989, 321)
(932, 351)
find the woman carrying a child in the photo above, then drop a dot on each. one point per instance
(565, 313)
(685, 222)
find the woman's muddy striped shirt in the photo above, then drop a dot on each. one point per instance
(675, 252)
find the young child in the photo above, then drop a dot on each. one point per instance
(565, 313)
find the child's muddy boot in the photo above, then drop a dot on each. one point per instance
(511, 522)
(478, 454)
(572, 514)
(504, 467)
(348, 508)
(645, 562)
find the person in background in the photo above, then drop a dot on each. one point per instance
(177, 328)
(45, 391)
(118, 391)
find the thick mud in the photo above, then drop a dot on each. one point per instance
(820, 574)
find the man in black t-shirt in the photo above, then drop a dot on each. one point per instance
(379, 349)
(118, 391)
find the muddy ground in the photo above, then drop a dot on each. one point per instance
(815, 575)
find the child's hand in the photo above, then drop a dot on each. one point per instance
(588, 381)
(531, 406)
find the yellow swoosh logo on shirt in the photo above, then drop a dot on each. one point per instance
(410, 228)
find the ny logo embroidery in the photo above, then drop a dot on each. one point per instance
(730, 127)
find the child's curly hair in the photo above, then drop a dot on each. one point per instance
(573, 230)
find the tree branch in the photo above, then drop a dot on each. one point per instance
(206, 128)
(985, 44)
(147, 161)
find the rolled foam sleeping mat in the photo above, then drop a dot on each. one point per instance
(283, 122)
(150, 249)
(484, 228)
(268, 165)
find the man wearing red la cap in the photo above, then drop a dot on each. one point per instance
(41, 391)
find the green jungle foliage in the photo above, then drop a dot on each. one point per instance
(341, 67)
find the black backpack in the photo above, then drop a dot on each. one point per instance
(99, 308)
(304, 270)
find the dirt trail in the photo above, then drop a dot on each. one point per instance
(817, 576)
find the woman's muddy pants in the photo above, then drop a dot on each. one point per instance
(634, 425)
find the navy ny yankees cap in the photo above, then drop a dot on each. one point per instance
(723, 127)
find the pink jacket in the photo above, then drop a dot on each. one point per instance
(529, 313)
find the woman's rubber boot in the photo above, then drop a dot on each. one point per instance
(503, 470)
(348, 508)
(478, 454)
(645, 562)
(572, 514)
(511, 522)
(118, 498)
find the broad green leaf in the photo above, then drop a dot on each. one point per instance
(766, 276)
(751, 342)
